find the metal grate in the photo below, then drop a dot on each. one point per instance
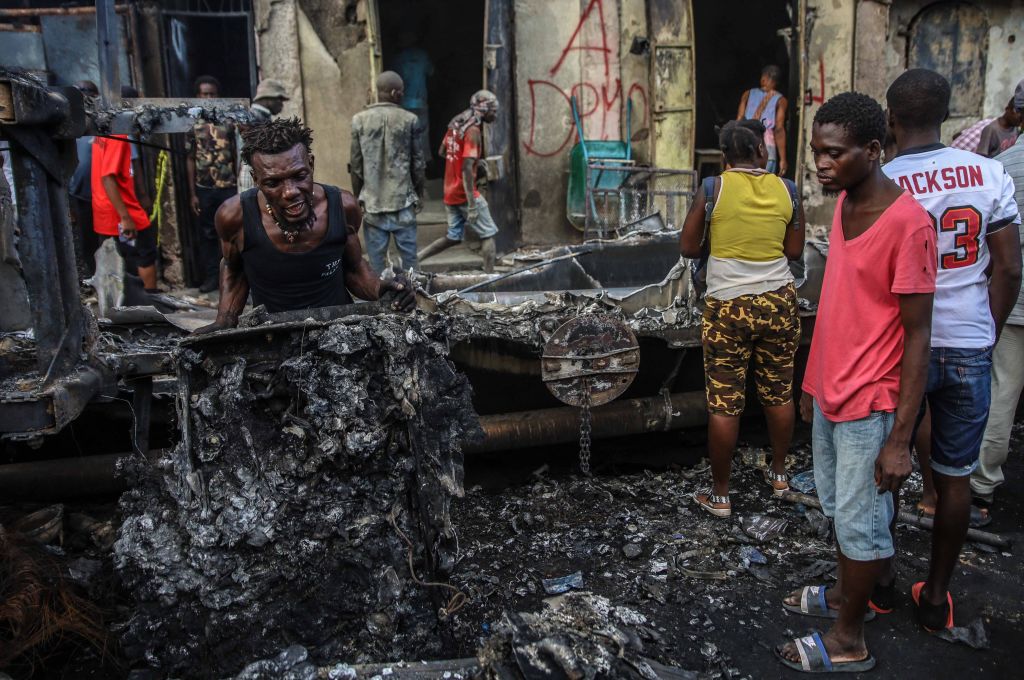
(624, 198)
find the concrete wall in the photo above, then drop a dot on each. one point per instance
(878, 32)
(829, 72)
(565, 48)
(325, 60)
(881, 51)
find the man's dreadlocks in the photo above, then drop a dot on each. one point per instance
(275, 136)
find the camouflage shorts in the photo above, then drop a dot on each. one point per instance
(765, 326)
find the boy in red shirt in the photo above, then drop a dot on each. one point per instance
(866, 371)
(115, 204)
(462, 149)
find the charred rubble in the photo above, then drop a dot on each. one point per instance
(308, 501)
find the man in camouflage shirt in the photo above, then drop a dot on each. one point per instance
(213, 178)
(387, 173)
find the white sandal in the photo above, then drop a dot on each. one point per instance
(709, 503)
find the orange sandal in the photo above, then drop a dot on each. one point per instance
(915, 592)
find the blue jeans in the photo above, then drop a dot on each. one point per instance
(844, 474)
(959, 394)
(380, 227)
(484, 225)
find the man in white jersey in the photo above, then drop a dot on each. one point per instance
(971, 200)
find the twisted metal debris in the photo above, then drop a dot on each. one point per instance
(314, 477)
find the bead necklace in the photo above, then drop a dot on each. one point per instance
(290, 234)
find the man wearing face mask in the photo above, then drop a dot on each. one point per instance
(290, 241)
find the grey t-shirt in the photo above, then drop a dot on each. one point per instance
(1013, 160)
(995, 139)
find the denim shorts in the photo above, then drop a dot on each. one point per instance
(484, 225)
(959, 395)
(844, 474)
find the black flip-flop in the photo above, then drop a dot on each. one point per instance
(813, 603)
(980, 517)
(814, 658)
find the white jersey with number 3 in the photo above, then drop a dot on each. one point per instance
(969, 197)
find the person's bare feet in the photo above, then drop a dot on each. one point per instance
(839, 651)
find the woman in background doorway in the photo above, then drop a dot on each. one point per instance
(767, 105)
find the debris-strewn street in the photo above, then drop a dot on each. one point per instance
(699, 593)
(707, 594)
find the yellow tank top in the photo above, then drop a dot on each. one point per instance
(750, 217)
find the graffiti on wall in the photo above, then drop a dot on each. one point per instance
(599, 91)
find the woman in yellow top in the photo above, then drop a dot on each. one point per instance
(750, 308)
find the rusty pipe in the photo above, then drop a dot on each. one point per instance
(525, 429)
(46, 480)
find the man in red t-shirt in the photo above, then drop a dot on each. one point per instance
(114, 205)
(865, 374)
(462, 149)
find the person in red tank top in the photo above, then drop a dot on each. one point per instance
(462, 149)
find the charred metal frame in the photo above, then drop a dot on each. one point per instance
(42, 123)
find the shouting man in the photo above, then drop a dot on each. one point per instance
(290, 241)
(462, 149)
(862, 389)
(387, 172)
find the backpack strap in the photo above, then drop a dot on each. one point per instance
(712, 189)
(791, 188)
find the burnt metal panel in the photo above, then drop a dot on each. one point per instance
(951, 38)
(70, 45)
(22, 49)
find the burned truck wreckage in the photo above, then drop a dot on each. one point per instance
(307, 496)
(307, 501)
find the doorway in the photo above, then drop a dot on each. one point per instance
(210, 38)
(437, 48)
(203, 37)
(732, 46)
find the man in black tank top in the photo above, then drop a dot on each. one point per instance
(290, 241)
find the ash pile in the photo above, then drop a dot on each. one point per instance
(580, 636)
(316, 467)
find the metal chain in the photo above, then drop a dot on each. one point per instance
(585, 429)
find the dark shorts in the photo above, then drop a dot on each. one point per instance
(958, 394)
(765, 327)
(142, 254)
